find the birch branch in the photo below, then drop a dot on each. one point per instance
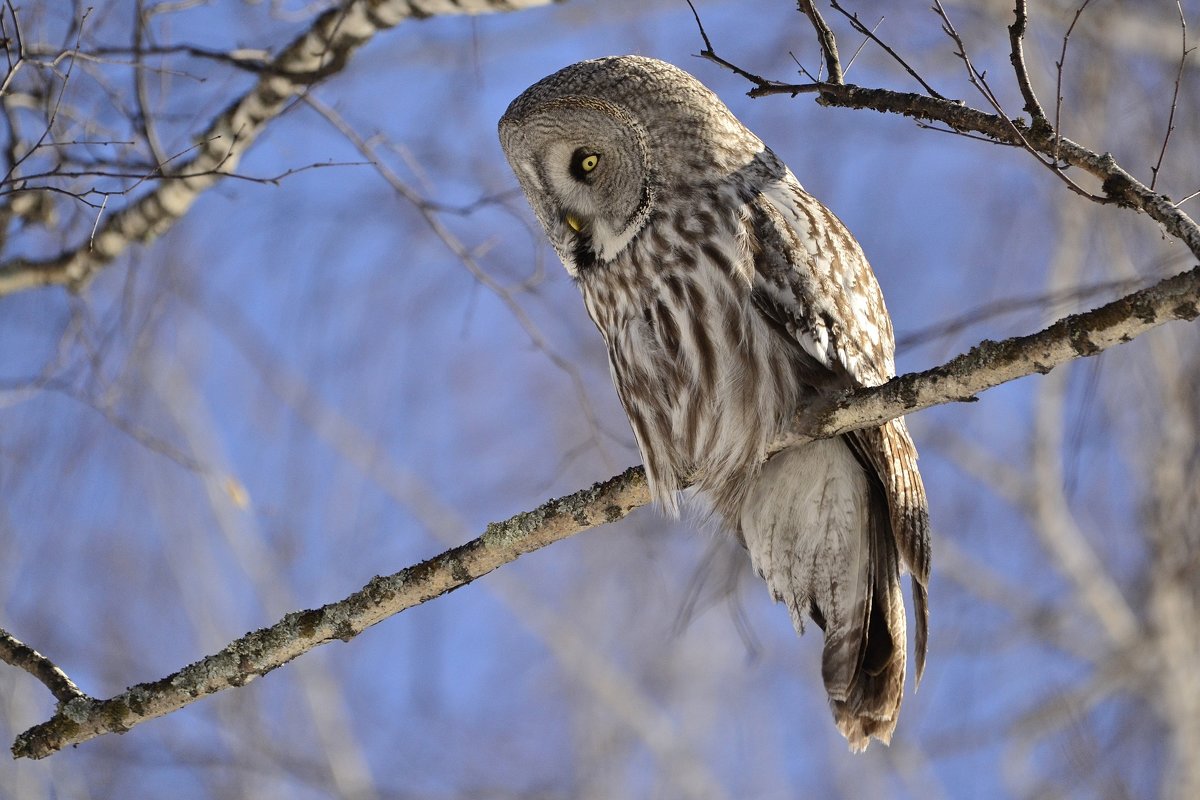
(321, 51)
(989, 364)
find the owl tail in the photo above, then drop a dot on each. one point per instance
(818, 531)
(870, 703)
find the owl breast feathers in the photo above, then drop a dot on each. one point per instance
(728, 297)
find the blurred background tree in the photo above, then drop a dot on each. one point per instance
(339, 344)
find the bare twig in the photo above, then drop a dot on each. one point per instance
(14, 65)
(963, 134)
(1118, 185)
(156, 174)
(1174, 96)
(96, 224)
(826, 38)
(1016, 40)
(1194, 194)
(62, 90)
(861, 45)
(20, 655)
(858, 25)
(757, 80)
(1058, 65)
(979, 81)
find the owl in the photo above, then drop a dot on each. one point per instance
(728, 298)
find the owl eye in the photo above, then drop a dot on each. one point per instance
(583, 162)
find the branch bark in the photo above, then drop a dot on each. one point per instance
(1042, 139)
(1119, 186)
(321, 51)
(990, 364)
(255, 654)
(18, 654)
(261, 651)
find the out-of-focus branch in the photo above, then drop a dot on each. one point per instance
(321, 51)
(588, 664)
(987, 365)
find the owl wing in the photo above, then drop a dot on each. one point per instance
(813, 283)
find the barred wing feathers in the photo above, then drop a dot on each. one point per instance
(814, 286)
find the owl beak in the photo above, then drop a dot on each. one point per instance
(574, 222)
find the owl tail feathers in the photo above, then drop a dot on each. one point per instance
(819, 532)
(864, 668)
(865, 680)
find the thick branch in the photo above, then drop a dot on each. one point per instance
(261, 651)
(321, 51)
(257, 653)
(991, 363)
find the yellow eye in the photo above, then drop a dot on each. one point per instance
(574, 222)
(583, 163)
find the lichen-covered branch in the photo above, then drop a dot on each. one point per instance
(987, 365)
(20, 655)
(321, 51)
(255, 654)
(990, 364)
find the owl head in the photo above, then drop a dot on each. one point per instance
(599, 145)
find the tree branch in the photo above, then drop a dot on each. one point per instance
(321, 51)
(1185, 51)
(1016, 41)
(1118, 185)
(20, 655)
(1040, 138)
(826, 38)
(261, 651)
(989, 364)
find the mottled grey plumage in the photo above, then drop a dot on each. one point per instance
(728, 297)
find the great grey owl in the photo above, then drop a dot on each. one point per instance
(728, 297)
